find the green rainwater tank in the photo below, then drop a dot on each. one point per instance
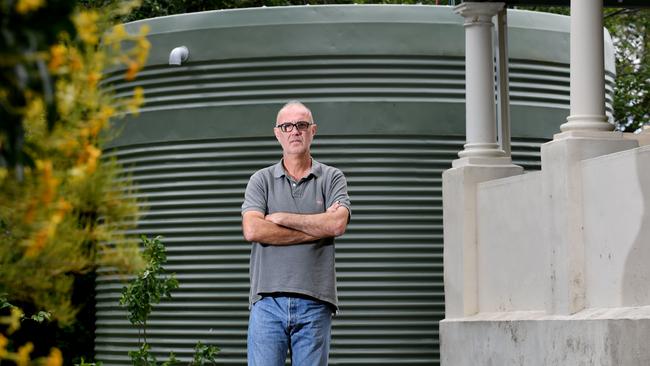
(386, 85)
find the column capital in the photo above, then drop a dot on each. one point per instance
(478, 13)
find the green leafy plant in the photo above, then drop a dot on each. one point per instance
(148, 288)
(143, 356)
(204, 354)
(83, 362)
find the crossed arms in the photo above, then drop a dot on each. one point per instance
(282, 228)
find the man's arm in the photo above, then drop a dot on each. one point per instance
(328, 224)
(257, 229)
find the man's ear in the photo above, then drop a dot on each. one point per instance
(314, 129)
(277, 132)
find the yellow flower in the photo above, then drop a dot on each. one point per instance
(84, 132)
(66, 97)
(57, 56)
(31, 210)
(62, 208)
(76, 62)
(138, 94)
(144, 29)
(55, 358)
(137, 100)
(106, 112)
(142, 51)
(35, 110)
(132, 70)
(14, 319)
(76, 173)
(93, 79)
(93, 154)
(23, 354)
(119, 32)
(68, 146)
(86, 25)
(25, 6)
(3, 346)
(38, 242)
(46, 233)
(49, 181)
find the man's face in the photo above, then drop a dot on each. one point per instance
(295, 141)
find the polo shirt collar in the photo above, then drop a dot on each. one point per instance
(316, 169)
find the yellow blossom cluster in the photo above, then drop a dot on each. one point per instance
(22, 356)
(86, 24)
(135, 57)
(26, 6)
(66, 212)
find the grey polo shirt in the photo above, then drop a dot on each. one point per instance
(306, 268)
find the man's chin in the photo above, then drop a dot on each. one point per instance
(295, 151)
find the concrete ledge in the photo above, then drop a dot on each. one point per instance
(612, 336)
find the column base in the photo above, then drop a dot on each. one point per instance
(589, 134)
(501, 161)
(481, 150)
(586, 122)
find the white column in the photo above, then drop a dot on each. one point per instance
(479, 81)
(587, 68)
(481, 160)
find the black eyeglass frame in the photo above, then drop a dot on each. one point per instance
(289, 126)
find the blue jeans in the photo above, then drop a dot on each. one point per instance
(280, 323)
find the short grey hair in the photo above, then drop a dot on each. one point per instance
(293, 103)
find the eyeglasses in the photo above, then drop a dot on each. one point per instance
(288, 126)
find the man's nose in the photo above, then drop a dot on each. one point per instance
(296, 131)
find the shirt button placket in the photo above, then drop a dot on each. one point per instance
(294, 189)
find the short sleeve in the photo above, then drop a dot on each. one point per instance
(255, 197)
(338, 191)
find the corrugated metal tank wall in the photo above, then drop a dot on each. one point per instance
(386, 85)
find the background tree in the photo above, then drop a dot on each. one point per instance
(63, 209)
(630, 31)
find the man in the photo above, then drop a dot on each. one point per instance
(291, 213)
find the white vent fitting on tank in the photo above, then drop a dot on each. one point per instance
(179, 55)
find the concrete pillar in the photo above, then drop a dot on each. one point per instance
(585, 135)
(587, 68)
(479, 82)
(562, 188)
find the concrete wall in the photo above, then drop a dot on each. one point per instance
(562, 258)
(510, 260)
(616, 196)
(513, 256)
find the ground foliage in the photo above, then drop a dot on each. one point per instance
(147, 289)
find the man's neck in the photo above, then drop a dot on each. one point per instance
(297, 166)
